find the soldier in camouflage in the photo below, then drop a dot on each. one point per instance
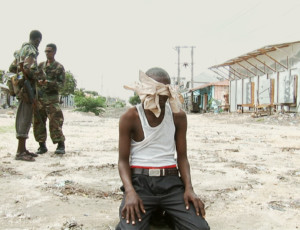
(25, 65)
(48, 103)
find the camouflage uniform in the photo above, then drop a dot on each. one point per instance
(48, 104)
(24, 112)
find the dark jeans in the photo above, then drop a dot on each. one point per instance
(165, 193)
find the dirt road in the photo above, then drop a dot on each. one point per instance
(247, 170)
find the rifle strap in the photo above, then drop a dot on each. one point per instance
(36, 91)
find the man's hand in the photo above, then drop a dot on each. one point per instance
(133, 207)
(42, 82)
(190, 196)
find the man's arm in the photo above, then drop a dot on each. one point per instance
(13, 66)
(133, 204)
(54, 84)
(28, 67)
(180, 121)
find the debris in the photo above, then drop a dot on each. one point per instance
(72, 225)
(232, 150)
(289, 149)
(276, 205)
(295, 204)
(66, 188)
(8, 171)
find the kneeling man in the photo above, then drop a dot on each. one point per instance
(151, 134)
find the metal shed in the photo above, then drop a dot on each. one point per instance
(264, 78)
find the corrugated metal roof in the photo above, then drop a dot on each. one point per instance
(218, 83)
(254, 53)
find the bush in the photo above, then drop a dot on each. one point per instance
(134, 100)
(119, 104)
(89, 104)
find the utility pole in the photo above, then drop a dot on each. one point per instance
(177, 48)
(192, 66)
(178, 65)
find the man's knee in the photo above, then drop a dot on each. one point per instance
(124, 226)
(200, 224)
(191, 223)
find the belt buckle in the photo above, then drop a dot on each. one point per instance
(154, 172)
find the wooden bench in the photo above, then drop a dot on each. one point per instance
(224, 107)
(263, 109)
(242, 106)
(282, 105)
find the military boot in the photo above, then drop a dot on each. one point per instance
(42, 149)
(60, 148)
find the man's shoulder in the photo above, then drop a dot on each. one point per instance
(28, 49)
(130, 114)
(180, 116)
(58, 64)
(181, 113)
(59, 67)
(25, 45)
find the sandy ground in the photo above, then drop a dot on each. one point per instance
(247, 170)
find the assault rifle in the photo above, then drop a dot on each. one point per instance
(30, 93)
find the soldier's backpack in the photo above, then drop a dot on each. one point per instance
(14, 80)
(13, 83)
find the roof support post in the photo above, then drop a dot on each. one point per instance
(239, 72)
(230, 78)
(246, 68)
(215, 71)
(254, 66)
(275, 60)
(235, 76)
(264, 64)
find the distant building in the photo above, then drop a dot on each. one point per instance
(199, 80)
(266, 78)
(210, 96)
(5, 99)
(114, 101)
(204, 78)
(67, 101)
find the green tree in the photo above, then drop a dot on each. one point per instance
(69, 85)
(94, 93)
(134, 100)
(89, 104)
(79, 92)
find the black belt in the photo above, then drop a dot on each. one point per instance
(155, 172)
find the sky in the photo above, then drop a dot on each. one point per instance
(104, 43)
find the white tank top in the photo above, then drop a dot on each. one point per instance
(158, 149)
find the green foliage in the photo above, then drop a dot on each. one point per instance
(213, 102)
(2, 72)
(69, 85)
(134, 100)
(119, 104)
(115, 102)
(94, 93)
(79, 92)
(89, 104)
